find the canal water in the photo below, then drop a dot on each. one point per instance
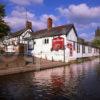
(74, 82)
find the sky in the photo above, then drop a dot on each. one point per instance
(84, 14)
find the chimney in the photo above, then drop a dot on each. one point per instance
(29, 25)
(49, 23)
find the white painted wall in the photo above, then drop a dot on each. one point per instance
(42, 50)
(10, 47)
(71, 37)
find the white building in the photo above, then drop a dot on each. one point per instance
(13, 41)
(59, 43)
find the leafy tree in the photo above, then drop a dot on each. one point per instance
(96, 42)
(4, 28)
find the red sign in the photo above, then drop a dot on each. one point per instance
(69, 45)
(57, 43)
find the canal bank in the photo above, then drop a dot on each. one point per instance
(22, 66)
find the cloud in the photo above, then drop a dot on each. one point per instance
(85, 18)
(16, 20)
(27, 2)
(81, 14)
(44, 18)
(86, 36)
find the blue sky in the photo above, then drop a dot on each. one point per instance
(84, 14)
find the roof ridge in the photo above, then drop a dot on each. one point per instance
(58, 30)
(53, 27)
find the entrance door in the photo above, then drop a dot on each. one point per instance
(22, 48)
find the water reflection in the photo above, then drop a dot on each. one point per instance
(16, 87)
(75, 82)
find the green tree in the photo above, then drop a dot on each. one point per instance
(4, 28)
(96, 42)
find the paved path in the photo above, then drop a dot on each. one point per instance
(22, 64)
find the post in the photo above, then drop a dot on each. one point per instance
(99, 55)
(82, 53)
(27, 46)
(33, 52)
(64, 51)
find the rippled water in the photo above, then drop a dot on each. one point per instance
(75, 82)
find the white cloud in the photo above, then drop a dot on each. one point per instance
(85, 18)
(86, 36)
(45, 16)
(27, 2)
(17, 19)
(81, 13)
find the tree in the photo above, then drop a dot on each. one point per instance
(4, 28)
(96, 42)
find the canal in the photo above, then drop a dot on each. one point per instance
(74, 82)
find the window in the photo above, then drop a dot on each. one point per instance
(30, 45)
(89, 49)
(74, 45)
(96, 50)
(83, 48)
(78, 48)
(34, 42)
(46, 41)
(18, 39)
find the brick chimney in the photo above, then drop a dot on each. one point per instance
(29, 25)
(49, 23)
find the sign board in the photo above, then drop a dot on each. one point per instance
(58, 43)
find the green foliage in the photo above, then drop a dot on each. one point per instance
(97, 32)
(4, 28)
(96, 42)
(1, 51)
(2, 11)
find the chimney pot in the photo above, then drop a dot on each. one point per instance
(29, 25)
